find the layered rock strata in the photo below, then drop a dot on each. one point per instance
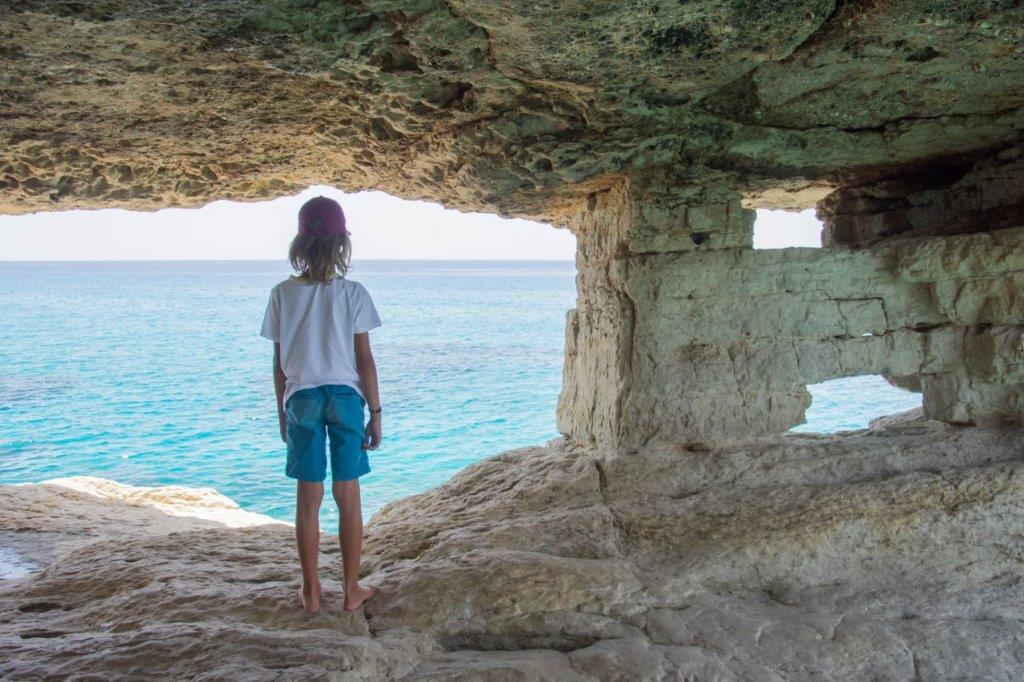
(684, 334)
(976, 196)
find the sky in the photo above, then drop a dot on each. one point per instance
(382, 226)
(781, 229)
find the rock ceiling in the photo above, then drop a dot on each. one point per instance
(521, 108)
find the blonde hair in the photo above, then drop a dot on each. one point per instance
(320, 257)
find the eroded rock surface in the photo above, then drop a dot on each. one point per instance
(516, 106)
(890, 553)
(685, 334)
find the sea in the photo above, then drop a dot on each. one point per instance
(154, 373)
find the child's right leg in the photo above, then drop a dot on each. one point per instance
(307, 536)
(307, 463)
(350, 535)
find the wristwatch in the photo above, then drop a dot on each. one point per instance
(377, 411)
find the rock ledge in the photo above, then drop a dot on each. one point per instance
(888, 553)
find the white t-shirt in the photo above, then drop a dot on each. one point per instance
(314, 322)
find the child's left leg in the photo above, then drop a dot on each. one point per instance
(307, 536)
(350, 536)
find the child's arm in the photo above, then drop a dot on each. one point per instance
(279, 390)
(367, 369)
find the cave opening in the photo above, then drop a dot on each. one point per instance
(844, 403)
(776, 229)
(140, 321)
(850, 403)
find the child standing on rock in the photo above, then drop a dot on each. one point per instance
(324, 376)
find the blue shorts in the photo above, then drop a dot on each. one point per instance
(314, 414)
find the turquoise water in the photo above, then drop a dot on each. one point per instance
(847, 404)
(154, 373)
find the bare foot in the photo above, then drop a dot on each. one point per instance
(310, 597)
(355, 598)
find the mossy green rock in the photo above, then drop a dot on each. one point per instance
(519, 107)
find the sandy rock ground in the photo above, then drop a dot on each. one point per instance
(891, 553)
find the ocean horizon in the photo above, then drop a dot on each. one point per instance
(154, 373)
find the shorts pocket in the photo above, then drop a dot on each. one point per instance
(302, 406)
(346, 412)
(343, 393)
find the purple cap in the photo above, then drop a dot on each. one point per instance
(321, 217)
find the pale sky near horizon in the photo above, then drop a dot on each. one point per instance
(382, 226)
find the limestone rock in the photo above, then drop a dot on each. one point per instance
(519, 107)
(981, 196)
(684, 334)
(90, 509)
(883, 553)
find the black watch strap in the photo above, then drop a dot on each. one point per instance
(377, 411)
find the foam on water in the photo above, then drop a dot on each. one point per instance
(154, 373)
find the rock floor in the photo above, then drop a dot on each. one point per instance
(893, 552)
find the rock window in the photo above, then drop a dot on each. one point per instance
(853, 402)
(783, 229)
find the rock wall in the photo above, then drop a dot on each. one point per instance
(683, 333)
(977, 196)
(619, 229)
